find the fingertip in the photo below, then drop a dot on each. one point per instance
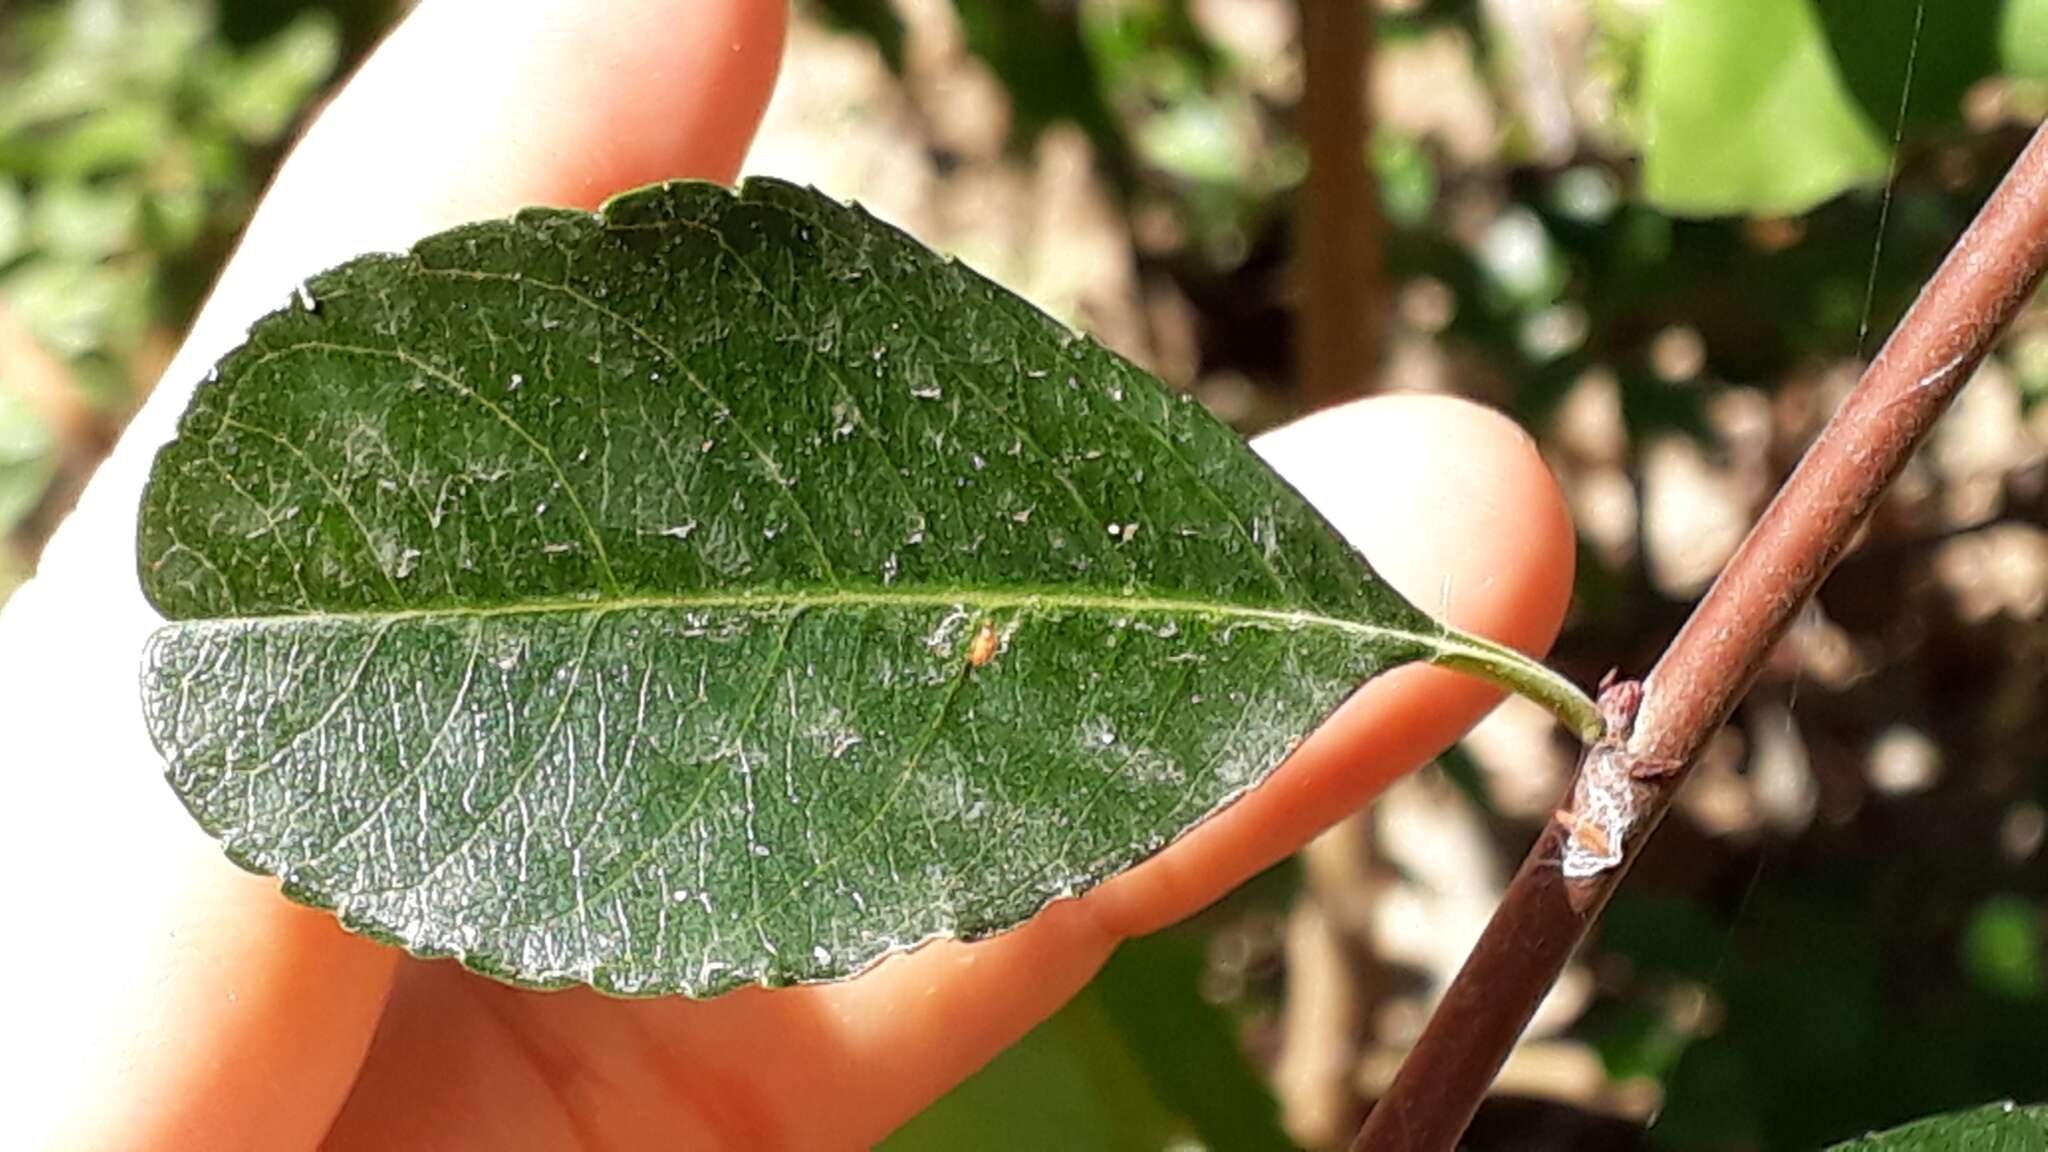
(1449, 500)
(466, 113)
(456, 117)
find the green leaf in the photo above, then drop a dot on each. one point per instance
(1186, 1046)
(1072, 1083)
(722, 589)
(1038, 54)
(1994, 1128)
(2023, 38)
(1944, 45)
(1138, 1060)
(2001, 948)
(1745, 111)
(1772, 106)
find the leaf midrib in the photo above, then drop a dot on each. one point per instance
(855, 598)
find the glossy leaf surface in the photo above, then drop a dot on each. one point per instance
(1996, 1128)
(720, 589)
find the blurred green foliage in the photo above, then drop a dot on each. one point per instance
(1139, 1061)
(128, 130)
(1774, 106)
(133, 137)
(1743, 110)
(27, 458)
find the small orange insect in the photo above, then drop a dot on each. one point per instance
(983, 648)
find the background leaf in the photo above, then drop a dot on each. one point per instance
(1745, 110)
(2023, 38)
(1187, 1046)
(1138, 1060)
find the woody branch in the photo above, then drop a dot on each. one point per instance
(1972, 298)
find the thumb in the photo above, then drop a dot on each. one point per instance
(196, 1007)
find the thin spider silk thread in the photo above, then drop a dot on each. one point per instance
(1714, 976)
(1891, 178)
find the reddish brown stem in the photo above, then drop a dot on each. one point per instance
(1338, 230)
(1708, 667)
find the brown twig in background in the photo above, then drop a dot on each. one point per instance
(1711, 663)
(1337, 235)
(42, 381)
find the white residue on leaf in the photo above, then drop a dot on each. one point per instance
(511, 651)
(1098, 732)
(948, 630)
(724, 548)
(832, 733)
(1148, 767)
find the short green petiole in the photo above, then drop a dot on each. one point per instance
(1499, 664)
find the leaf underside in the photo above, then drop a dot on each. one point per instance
(719, 589)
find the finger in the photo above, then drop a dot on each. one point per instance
(1437, 492)
(202, 1010)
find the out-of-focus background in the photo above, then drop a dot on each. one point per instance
(1663, 234)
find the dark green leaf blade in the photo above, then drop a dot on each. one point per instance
(720, 589)
(1994, 1128)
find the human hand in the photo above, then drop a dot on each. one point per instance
(165, 999)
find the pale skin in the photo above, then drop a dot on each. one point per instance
(162, 999)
